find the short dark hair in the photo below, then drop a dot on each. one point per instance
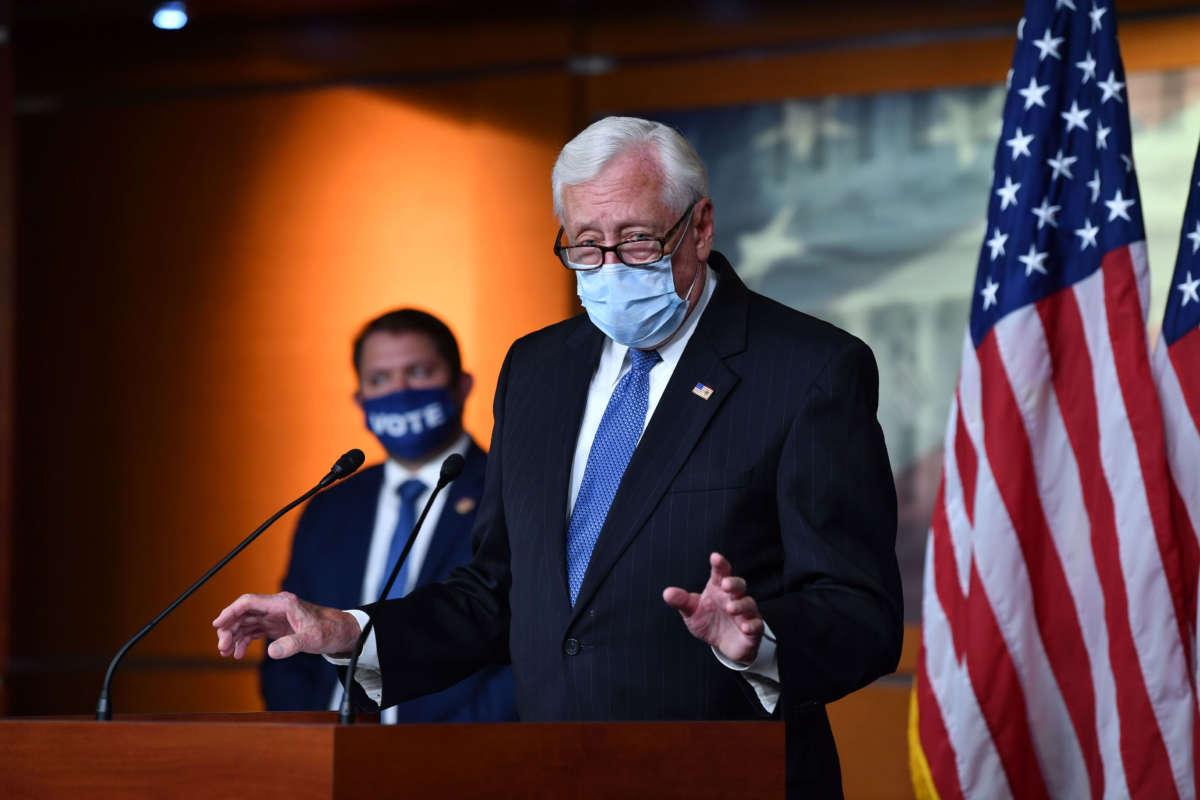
(411, 320)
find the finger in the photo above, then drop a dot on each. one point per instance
(734, 585)
(249, 633)
(681, 600)
(228, 635)
(743, 607)
(284, 647)
(242, 620)
(224, 642)
(239, 649)
(720, 568)
(752, 627)
(247, 603)
(232, 612)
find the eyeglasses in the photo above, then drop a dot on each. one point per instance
(639, 252)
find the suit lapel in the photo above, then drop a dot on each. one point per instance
(677, 424)
(568, 379)
(356, 525)
(451, 542)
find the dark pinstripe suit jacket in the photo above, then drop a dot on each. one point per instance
(783, 469)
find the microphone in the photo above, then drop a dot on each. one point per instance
(348, 463)
(452, 467)
(344, 466)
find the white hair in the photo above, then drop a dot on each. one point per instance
(684, 178)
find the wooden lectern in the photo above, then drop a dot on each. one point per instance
(307, 755)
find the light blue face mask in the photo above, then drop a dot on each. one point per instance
(634, 306)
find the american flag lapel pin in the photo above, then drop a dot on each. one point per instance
(702, 391)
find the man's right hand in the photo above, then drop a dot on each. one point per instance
(296, 626)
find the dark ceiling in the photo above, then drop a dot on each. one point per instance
(243, 13)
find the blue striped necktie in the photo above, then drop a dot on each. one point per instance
(408, 492)
(618, 434)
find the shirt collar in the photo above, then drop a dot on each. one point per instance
(428, 473)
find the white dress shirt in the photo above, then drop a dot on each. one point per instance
(763, 674)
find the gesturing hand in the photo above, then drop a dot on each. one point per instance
(296, 626)
(723, 614)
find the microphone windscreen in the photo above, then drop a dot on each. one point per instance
(349, 462)
(452, 467)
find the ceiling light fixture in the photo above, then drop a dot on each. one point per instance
(170, 16)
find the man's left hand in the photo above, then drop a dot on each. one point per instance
(723, 614)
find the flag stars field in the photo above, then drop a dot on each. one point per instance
(1111, 89)
(1190, 289)
(1119, 207)
(1020, 144)
(1194, 236)
(1045, 214)
(996, 243)
(1061, 165)
(1088, 66)
(1087, 235)
(989, 293)
(1076, 117)
(1034, 94)
(1008, 193)
(1033, 261)
(1048, 46)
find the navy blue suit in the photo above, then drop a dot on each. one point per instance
(783, 469)
(329, 558)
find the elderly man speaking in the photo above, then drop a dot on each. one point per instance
(688, 511)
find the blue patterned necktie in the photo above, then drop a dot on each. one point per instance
(618, 434)
(408, 492)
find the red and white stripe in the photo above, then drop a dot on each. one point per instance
(1053, 652)
(1177, 376)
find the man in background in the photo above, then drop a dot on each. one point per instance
(412, 389)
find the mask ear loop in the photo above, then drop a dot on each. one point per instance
(687, 296)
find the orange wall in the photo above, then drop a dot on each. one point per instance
(191, 276)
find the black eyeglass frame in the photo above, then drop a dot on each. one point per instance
(560, 249)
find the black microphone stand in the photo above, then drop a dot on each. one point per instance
(452, 467)
(344, 466)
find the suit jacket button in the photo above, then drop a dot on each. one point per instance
(571, 646)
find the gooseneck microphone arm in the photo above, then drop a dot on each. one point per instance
(345, 465)
(452, 467)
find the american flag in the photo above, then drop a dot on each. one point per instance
(1054, 642)
(1177, 375)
